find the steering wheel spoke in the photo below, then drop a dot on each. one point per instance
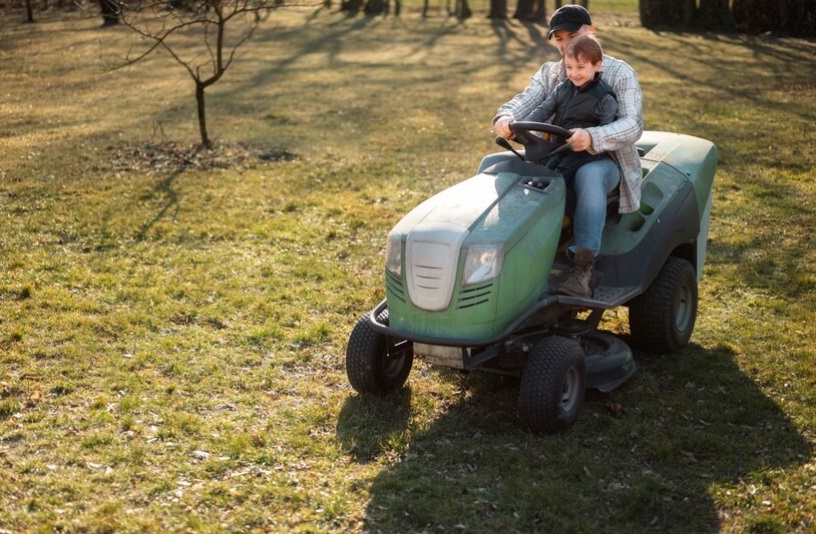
(537, 149)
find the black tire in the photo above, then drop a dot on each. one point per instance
(662, 318)
(552, 385)
(375, 363)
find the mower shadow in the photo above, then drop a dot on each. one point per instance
(642, 458)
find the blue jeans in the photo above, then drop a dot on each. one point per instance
(593, 181)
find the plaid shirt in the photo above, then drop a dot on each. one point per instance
(618, 138)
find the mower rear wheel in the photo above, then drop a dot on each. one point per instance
(552, 385)
(662, 318)
(375, 363)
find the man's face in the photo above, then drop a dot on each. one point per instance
(562, 37)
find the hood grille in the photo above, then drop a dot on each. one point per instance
(431, 264)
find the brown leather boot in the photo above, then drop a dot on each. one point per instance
(577, 282)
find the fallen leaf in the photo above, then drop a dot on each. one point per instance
(615, 409)
(34, 398)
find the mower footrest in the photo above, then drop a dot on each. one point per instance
(602, 297)
(614, 296)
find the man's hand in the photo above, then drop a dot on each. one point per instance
(580, 140)
(502, 126)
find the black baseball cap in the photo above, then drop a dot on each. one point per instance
(569, 17)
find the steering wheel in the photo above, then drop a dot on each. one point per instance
(536, 148)
(529, 126)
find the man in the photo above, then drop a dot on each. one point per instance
(595, 180)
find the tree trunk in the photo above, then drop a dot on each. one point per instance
(498, 9)
(584, 3)
(806, 18)
(753, 16)
(792, 17)
(665, 13)
(462, 10)
(689, 12)
(29, 11)
(376, 7)
(202, 117)
(715, 15)
(110, 12)
(351, 5)
(541, 11)
(524, 10)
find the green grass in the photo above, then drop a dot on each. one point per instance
(172, 343)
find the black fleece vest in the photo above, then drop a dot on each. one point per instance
(577, 108)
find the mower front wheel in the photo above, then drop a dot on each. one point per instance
(552, 385)
(375, 363)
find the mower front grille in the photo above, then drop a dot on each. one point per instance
(430, 269)
(394, 287)
(474, 296)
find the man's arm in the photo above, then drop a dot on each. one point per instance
(628, 127)
(542, 84)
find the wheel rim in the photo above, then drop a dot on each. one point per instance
(569, 389)
(684, 308)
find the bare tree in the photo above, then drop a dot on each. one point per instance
(217, 28)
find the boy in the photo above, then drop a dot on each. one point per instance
(582, 101)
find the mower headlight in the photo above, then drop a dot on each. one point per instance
(393, 255)
(482, 263)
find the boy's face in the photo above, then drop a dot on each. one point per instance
(580, 70)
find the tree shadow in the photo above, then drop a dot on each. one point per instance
(347, 34)
(165, 189)
(775, 57)
(689, 424)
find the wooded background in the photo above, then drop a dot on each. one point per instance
(784, 17)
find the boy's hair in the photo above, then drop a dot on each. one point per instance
(585, 46)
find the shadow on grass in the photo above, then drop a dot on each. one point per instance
(164, 188)
(693, 424)
(370, 425)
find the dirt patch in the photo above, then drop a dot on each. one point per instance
(175, 157)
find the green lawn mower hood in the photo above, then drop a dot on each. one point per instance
(466, 262)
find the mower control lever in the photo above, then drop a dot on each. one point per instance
(504, 143)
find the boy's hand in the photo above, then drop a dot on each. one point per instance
(580, 140)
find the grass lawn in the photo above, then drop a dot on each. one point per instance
(172, 337)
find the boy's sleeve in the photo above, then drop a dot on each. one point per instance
(544, 111)
(607, 110)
